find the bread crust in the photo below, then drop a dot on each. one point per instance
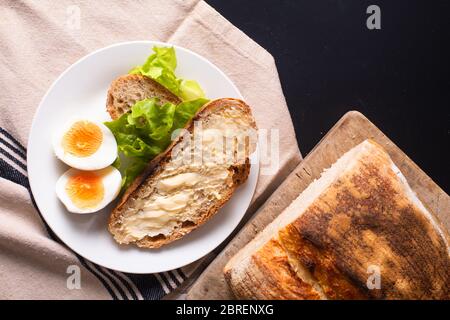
(368, 217)
(268, 275)
(119, 92)
(239, 174)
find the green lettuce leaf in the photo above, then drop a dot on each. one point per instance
(160, 66)
(185, 111)
(132, 170)
(190, 90)
(146, 131)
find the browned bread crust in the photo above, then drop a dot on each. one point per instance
(367, 216)
(238, 175)
(271, 268)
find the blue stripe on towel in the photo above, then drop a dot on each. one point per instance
(13, 159)
(16, 150)
(182, 274)
(174, 278)
(9, 173)
(10, 137)
(121, 277)
(148, 285)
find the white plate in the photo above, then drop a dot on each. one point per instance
(81, 90)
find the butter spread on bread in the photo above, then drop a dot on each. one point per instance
(361, 213)
(187, 184)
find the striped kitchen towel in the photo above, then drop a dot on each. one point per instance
(119, 285)
(38, 41)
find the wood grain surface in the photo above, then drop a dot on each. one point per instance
(349, 131)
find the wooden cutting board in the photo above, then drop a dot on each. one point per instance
(351, 129)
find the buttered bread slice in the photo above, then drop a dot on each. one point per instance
(187, 184)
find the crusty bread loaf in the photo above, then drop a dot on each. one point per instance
(359, 216)
(126, 90)
(179, 191)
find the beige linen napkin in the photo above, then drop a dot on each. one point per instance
(38, 41)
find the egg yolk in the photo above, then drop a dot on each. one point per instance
(85, 189)
(83, 139)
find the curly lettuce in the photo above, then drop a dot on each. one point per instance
(160, 66)
(146, 131)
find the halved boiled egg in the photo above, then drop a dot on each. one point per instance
(85, 145)
(88, 191)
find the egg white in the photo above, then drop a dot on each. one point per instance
(103, 157)
(111, 180)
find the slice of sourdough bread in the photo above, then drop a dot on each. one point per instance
(187, 184)
(358, 221)
(126, 90)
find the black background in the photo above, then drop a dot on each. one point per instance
(329, 62)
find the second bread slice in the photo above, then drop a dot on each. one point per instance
(126, 90)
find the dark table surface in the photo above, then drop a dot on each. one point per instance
(329, 62)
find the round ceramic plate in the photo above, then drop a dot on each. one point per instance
(81, 91)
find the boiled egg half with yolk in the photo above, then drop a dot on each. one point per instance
(88, 191)
(85, 145)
